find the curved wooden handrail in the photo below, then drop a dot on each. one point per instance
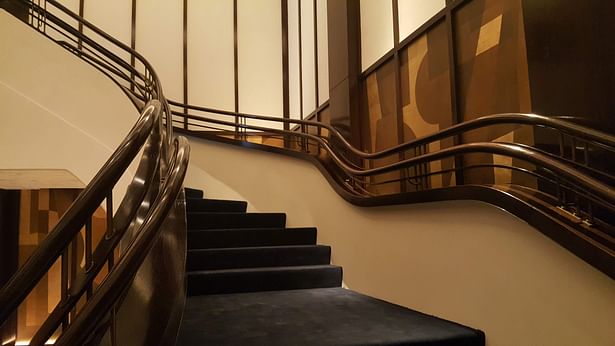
(119, 279)
(576, 130)
(525, 153)
(38, 264)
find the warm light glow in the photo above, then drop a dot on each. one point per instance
(27, 342)
(6, 342)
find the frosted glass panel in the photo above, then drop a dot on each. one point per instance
(376, 30)
(211, 68)
(159, 38)
(293, 59)
(259, 25)
(307, 57)
(323, 51)
(113, 17)
(414, 13)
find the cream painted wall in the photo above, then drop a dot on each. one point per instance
(323, 51)
(376, 30)
(211, 63)
(414, 13)
(113, 17)
(466, 261)
(159, 38)
(57, 111)
(259, 37)
(307, 57)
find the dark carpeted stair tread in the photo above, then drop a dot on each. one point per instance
(209, 220)
(251, 257)
(193, 193)
(263, 279)
(216, 205)
(231, 238)
(326, 316)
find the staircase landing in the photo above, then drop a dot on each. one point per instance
(323, 316)
(253, 281)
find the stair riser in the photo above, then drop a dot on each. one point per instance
(207, 205)
(193, 193)
(249, 238)
(238, 282)
(257, 257)
(197, 220)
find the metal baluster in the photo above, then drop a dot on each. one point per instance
(88, 253)
(109, 206)
(586, 153)
(425, 168)
(417, 170)
(558, 191)
(73, 270)
(303, 139)
(561, 145)
(45, 16)
(113, 330)
(589, 221)
(110, 229)
(573, 147)
(64, 283)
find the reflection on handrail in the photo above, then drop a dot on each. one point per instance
(18, 287)
(110, 291)
(604, 139)
(148, 201)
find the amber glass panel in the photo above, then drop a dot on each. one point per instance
(492, 77)
(40, 211)
(382, 124)
(426, 101)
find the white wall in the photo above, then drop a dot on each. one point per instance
(307, 57)
(376, 30)
(159, 38)
(323, 51)
(211, 59)
(465, 261)
(414, 13)
(57, 111)
(259, 41)
(113, 17)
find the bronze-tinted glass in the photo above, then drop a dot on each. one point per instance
(492, 77)
(426, 101)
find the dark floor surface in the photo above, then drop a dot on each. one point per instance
(325, 316)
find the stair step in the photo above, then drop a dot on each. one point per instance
(193, 193)
(233, 238)
(215, 205)
(323, 316)
(251, 257)
(263, 279)
(207, 220)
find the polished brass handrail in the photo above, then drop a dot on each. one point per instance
(604, 139)
(118, 280)
(38, 264)
(148, 199)
(525, 153)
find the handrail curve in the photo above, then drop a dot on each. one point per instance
(38, 264)
(117, 281)
(580, 131)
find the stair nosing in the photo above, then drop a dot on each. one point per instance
(252, 228)
(252, 248)
(263, 269)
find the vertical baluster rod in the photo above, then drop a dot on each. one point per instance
(88, 253)
(64, 282)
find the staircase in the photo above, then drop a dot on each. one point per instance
(252, 281)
